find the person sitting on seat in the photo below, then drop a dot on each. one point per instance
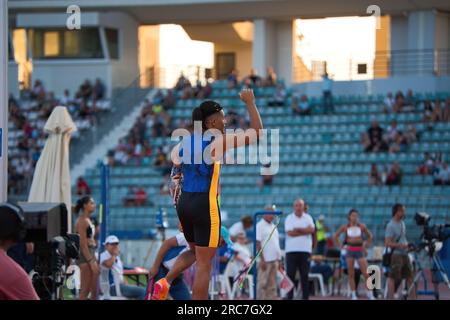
(111, 263)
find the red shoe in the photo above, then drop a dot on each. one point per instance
(161, 290)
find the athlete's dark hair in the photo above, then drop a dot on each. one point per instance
(206, 109)
(351, 211)
(81, 203)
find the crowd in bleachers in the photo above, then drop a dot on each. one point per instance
(27, 117)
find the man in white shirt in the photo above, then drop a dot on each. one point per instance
(270, 257)
(110, 264)
(240, 227)
(299, 227)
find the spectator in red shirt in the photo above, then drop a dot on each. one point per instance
(14, 282)
(82, 187)
(141, 196)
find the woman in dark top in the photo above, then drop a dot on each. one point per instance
(89, 269)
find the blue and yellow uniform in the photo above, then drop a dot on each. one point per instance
(198, 206)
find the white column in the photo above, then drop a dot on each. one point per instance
(273, 46)
(3, 100)
(263, 45)
(285, 46)
(421, 41)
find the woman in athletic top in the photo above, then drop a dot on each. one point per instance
(89, 269)
(197, 158)
(355, 234)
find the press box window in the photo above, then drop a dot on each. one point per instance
(65, 44)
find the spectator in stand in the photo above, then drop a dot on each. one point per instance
(428, 111)
(271, 78)
(82, 187)
(411, 135)
(442, 177)
(242, 226)
(252, 80)
(266, 177)
(427, 166)
(278, 97)
(437, 114)
(374, 176)
(160, 159)
(38, 92)
(389, 103)
(399, 144)
(98, 90)
(392, 132)
(438, 162)
(140, 197)
(205, 91)
(66, 99)
(394, 176)
(446, 111)
(301, 107)
(182, 82)
(327, 85)
(232, 79)
(188, 92)
(169, 100)
(376, 141)
(85, 91)
(410, 101)
(399, 102)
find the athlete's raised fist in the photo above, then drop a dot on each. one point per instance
(247, 96)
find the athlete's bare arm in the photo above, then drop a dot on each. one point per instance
(235, 140)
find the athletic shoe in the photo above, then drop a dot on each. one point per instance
(354, 297)
(161, 290)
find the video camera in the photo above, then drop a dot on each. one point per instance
(436, 232)
(46, 226)
(431, 234)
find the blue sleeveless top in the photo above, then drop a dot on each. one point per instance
(200, 171)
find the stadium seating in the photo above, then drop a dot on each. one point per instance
(321, 160)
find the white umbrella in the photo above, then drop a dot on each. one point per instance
(51, 180)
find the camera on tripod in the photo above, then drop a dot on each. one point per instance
(47, 228)
(437, 232)
(432, 236)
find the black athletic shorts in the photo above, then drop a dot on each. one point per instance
(199, 215)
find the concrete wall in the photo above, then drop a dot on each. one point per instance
(13, 82)
(378, 86)
(125, 69)
(60, 75)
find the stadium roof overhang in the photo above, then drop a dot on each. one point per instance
(212, 11)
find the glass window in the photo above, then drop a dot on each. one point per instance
(112, 38)
(65, 44)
